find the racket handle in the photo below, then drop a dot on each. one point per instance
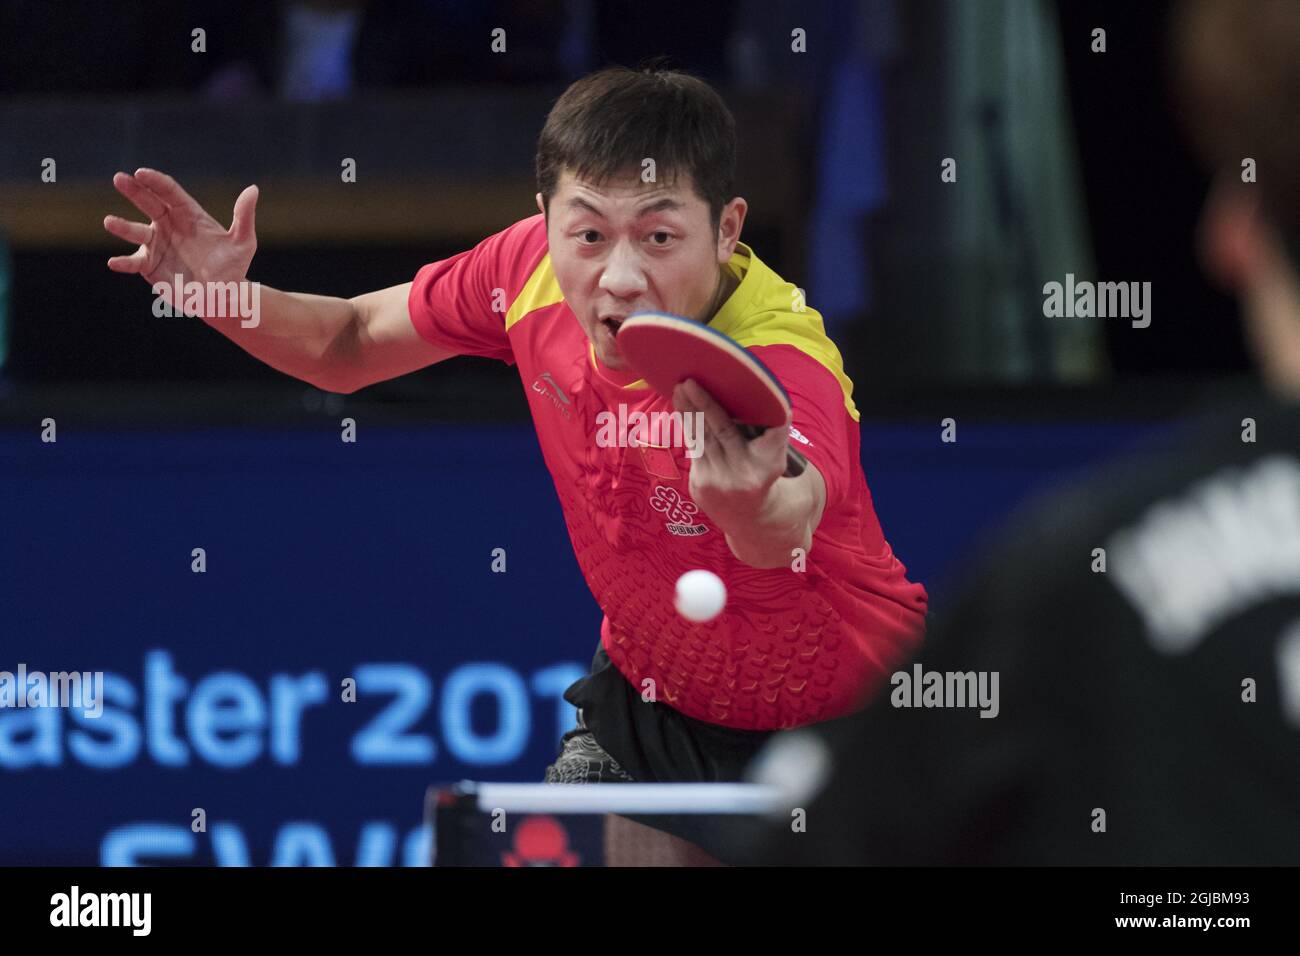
(795, 462)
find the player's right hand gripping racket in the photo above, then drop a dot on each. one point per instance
(667, 349)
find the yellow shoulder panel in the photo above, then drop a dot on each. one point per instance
(541, 289)
(765, 315)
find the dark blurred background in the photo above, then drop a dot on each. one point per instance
(1068, 160)
(169, 437)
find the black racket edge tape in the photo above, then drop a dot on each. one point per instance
(795, 462)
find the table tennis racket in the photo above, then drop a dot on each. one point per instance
(667, 349)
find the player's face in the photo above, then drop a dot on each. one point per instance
(624, 246)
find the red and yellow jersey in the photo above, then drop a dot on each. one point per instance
(793, 645)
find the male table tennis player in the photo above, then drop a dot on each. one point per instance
(666, 700)
(1148, 714)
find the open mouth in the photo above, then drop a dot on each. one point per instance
(613, 324)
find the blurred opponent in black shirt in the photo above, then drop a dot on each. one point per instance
(1159, 698)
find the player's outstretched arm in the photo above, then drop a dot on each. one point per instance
(379, 343)
(336, 344)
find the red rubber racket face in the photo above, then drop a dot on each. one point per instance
(667, 349)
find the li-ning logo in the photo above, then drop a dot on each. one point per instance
(554, 393)
(679, 511)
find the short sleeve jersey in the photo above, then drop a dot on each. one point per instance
(794, 645)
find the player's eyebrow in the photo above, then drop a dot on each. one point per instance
(666, 204)
(578, 203)
(662, 205)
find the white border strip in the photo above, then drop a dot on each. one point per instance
(629, 798)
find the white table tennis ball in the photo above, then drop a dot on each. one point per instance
(701, 596)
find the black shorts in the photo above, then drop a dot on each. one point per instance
(623, 738)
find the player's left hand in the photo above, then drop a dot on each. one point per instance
(732, 479)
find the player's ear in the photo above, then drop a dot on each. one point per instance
(730, 223)
(541, 206)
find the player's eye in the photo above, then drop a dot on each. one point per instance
(589, 236)
(661, 238)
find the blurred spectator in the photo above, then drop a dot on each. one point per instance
(318, 39)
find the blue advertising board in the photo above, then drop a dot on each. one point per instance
(354, 635)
